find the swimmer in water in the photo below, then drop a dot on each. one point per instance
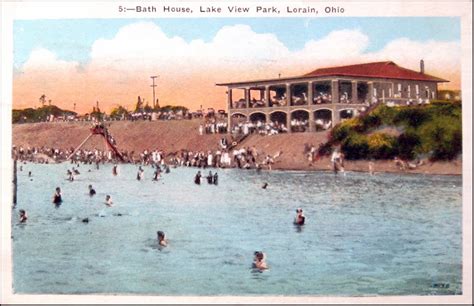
(162, 241)
(265, 185)
(299, 219)
(156, 175)
(108, 201)
(71, 175)
(259, 261)
(57, 197)
(197, 178)
(23, 216)
(209, 178)
(29, 174)
(215, 179)
(140, 173)
(91, 191)
(115, 170)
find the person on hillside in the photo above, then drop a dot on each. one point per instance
(201, 129)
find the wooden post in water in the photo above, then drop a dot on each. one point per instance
(14, 182)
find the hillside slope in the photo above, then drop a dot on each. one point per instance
(172, 136)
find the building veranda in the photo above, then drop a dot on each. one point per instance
(324, 97)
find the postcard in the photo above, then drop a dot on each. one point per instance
(236, 152)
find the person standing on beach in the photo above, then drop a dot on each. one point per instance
(337, 161)
(371, 167)
(57, 197)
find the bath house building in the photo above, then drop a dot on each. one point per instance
(322, 98)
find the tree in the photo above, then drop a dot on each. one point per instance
(139, 107)
(42, 100)
(118, 112)
(148, 108)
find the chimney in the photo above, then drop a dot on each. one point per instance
(422, 67)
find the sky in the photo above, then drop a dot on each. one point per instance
(81, 61)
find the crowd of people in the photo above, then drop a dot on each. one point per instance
(220, 156)
(276, 127)
(213, 127)
(259, 127)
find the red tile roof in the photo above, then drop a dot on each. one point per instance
(385, 70)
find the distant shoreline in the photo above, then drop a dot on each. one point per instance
(175, 135)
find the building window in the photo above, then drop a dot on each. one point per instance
(399, 88)
(417, 89)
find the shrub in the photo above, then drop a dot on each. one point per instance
(411, 116)
(355, 146)
(408, 142)
(442, 138)
(386, 114)
(343, 130)
(370, 121)
(382, 146)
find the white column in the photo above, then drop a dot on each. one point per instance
(247, 97)
(267, 95)
(288, 94)
(310, 92)
(354, 98)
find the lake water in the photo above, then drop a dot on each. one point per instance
(364, 235)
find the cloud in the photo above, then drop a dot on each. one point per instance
(44, 60)
(120, 68)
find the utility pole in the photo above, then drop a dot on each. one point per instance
(153, 77)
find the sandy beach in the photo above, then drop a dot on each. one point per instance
(172, 136)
